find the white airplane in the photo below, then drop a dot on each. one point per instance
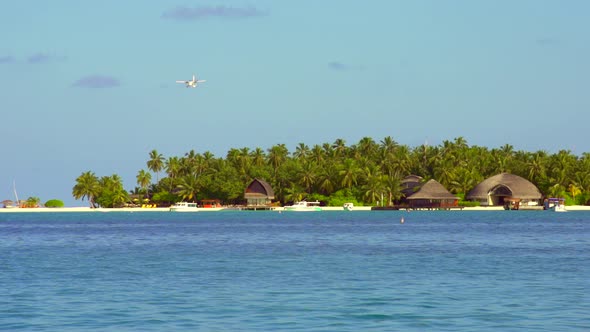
(192, 83)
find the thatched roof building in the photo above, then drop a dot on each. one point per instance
(500, 188)
(432, 194)
(410, 184)
(7, 203)
(259, 193)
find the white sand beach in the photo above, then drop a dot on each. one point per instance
(79, 209)
(166, 209)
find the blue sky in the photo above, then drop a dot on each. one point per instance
(90, 85)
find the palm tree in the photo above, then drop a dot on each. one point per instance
(367, 147)
(557, 190)
(33, 202)
(462, 181)
(188, 162)
(393, 188)
(301, 151)
(536, 165)
(111, 192)
(172, 166)
(582, 180)
(307, 175)
(245, 161)
(403, 161)
(119, 197)
(349, 172)
(143, 180)
(277, 155)
(188, 188)
(328, 150)
(233, 157)
(460, 143)
(258, 157)
(156, 163)
(574, 191)
(374, 188)
(339, 147)
(294, 193)
(208, 156)
(388, 144)
(86, 187)
(328, 179)
(317, 154)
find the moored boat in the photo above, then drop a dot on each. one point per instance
(555, 204)
(304, 206)
(184, 207)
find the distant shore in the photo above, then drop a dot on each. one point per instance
(166, 209)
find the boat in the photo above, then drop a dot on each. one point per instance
(184, 207)
(16, 203)
(211, 205)
(304, 206)
(348, 206)
(555, 204)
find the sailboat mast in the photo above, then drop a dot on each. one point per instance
(15, 194)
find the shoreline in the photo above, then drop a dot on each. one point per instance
(279, 209)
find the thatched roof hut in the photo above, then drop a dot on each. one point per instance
(432, 194)
(498, 188)
(432, 190)
(7, 203)
(410, 184)
(258, 193)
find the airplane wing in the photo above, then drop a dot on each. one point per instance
(181, 81)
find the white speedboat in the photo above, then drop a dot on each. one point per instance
(184, 207)
(348, 206)
(555, 204)
(559, 208)
(304, 206)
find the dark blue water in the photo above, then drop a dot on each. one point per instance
(269, 271)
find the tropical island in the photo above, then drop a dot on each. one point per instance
(366, 173)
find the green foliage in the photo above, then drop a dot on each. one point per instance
(342, 196)
(32, 202)
(583, 199)
(364, 173)
(111, 198)
(569, 200)
(87, 186)
(111, 193)
(469, 203)
(316, 197)
(165, 197)
(54, 203)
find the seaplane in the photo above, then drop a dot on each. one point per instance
(192, 83)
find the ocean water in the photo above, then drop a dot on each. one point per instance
(270, 271)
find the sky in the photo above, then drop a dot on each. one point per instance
(90, 86)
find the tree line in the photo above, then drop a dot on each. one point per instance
(365, 173)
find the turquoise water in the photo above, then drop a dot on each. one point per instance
(269, 271)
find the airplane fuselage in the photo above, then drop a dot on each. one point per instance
(192, 83)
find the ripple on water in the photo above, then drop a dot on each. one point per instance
(266, 271)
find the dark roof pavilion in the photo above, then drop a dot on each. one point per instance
(259, 192)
